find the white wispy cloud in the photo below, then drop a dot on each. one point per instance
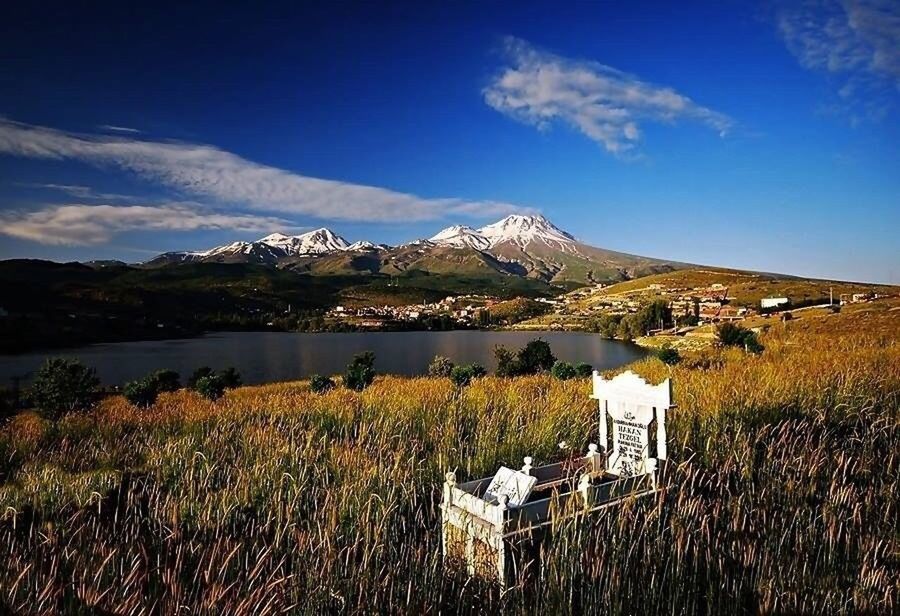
(118, 129)
(208, 171)
(856, 41)
(605, 104)
(80, 224)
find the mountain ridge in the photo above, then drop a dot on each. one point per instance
(518, 245)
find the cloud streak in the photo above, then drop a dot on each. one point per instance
(606, 105)
(80, 192)
(857, 41)
(119, 129)
(81, 225)
(207, 171)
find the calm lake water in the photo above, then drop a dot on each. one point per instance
(263, 357)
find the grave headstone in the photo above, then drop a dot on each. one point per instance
(632, 404)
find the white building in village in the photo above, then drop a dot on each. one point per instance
(773, 302)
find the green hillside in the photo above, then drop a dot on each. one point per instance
(68, 304)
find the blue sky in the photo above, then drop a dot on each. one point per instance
(736, 134)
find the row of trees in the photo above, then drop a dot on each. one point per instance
(66, 385)
(655, 315)
(205, 381)
(534, 358)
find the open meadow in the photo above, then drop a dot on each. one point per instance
(785, 496)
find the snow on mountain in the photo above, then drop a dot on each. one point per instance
(315, 242)
(516, 230)
(228, 249)
(522, 230)
(418, 244)
(362, 245)
(461, 236)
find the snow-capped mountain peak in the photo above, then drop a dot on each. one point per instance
(522, 230)
(274, 238)
(461, 236)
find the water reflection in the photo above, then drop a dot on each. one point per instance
(274, 356)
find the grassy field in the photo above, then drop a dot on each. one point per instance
(785, 497)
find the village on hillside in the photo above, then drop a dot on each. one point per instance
(692, 303)
(697, 301)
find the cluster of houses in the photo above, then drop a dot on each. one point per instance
(464, 310)
(707, 304)
(860, 298)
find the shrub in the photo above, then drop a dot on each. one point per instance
(211, 387)
(167, 380)
(463, 375)
(62, 386)
(440, 366)
(199, 373)
(7, 408)
(506, 361)
(583, 369)
(360, 371)
(231, 378)
(535, 357)
(668, 355)
(563, 370)
(734, 335)
(320, 384)
(142, 393)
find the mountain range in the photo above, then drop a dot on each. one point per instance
(518, 245)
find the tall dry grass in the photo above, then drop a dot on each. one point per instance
(785, 497)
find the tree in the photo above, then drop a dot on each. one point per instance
(507, 364)
(669, 356)
(211, 387)
(320, 384)
(655, 315)
(583, 369)
(167, 380)
(535, 357)
(440, 366)
(142, 393)
(198, 374)
(62, 386)
(563, 370)
(231, 378)
(623, 331)
(463, 375)
(360, 371)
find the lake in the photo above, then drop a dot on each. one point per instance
(263, 357)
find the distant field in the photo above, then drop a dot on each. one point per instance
(784, 498)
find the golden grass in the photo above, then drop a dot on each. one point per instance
(785, 497)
